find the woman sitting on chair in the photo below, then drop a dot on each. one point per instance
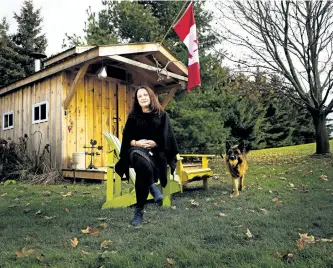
(148, 145)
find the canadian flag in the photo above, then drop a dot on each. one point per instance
(187, 32)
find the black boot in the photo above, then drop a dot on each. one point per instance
(155, 192)
(138, 217)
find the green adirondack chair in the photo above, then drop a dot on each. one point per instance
(119, 193)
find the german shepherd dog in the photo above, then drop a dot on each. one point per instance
(237, 165)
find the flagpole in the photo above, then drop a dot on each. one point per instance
(174, 21)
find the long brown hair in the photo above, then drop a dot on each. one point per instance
(154, 105)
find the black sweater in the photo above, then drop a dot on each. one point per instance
(150, 126)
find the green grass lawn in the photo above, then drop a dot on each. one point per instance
(287, 194)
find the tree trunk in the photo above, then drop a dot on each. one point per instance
(322, 142)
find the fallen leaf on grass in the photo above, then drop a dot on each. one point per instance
(74, 242)
(323, 177)
(84, 252)
(222, 215)
(170, 262)
(103, 225)
(86, 231)
(38, 212)
(86, 192)
(277, 201)
(67, 195)
(67, 210)
(106, 243)
(49, 217)
(4, 194)
(194, 203)
(307, 172)
(305, 239)
(291, 185)
(101, 219)
(248, 233)
(91, 231)
(326, 240)
(41, 260)
(24, 252)
(263, 211)
(286, 257)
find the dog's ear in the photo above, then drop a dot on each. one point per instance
(227, 146)
(243, 148)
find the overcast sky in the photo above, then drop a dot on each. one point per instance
(60, 17)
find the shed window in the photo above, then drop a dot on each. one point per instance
(40, 112)
(8, 120)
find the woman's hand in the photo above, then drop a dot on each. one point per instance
(145, 144)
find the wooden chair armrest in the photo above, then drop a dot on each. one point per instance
(179, 158)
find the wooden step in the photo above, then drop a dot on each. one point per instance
(198, 165)
(199, 171)
(92, 174)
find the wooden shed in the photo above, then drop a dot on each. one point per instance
(67, 104)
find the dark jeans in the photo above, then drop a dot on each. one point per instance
(145, 174)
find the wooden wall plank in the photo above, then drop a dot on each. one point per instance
(90, 121)
(106, 120)
(113, 108)
(59, 119)
(97, 117)
(70, 122)
(72, 134)
(53, 118)
(65, 77)
(27, 125)
(34, 127)
(122, 104)
(81, 114)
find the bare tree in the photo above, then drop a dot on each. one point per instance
(293, 39)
